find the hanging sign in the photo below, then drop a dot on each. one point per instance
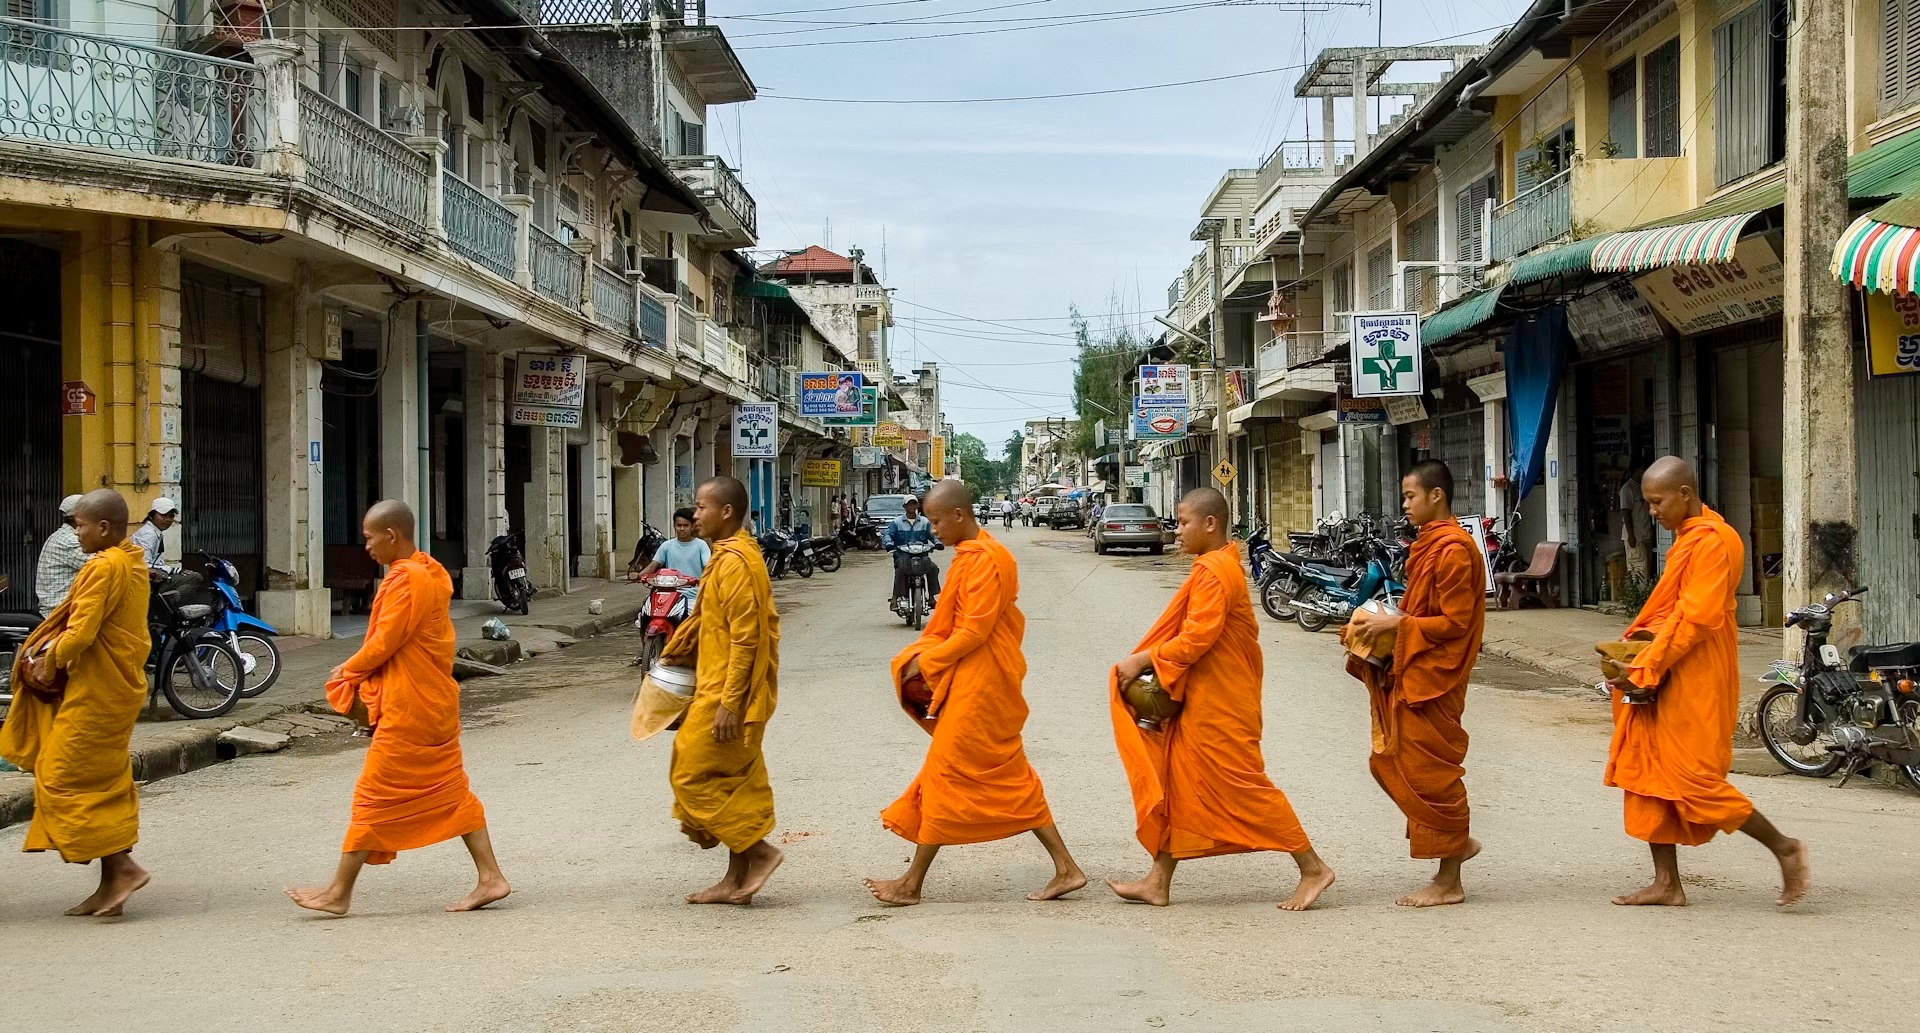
(548, 390)
(1893, 333)
(1698, 298)
(77, 399)
(1136, 477)
(1362, 410)
(1166, 385)
(1405, 409)
(820, 473)
(756, 430)
(867, 458)
(889, 435)
(831, 394)
(868, 415)
(1224, 472)
(1386, 357)
(1152, 422)
(937, 465)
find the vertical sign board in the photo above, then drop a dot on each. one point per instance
(1893, 333)
(1386, 357)
(868, 414)
(548, 390)
(756, 430)
(937, 466)
(831, 394)
(1158, 422)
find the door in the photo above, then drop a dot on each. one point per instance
(30, 398)
(222, 472)
(1888, 422)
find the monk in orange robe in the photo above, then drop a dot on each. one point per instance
(79, 683)
(1419, 746)
(975, 784)
(412, 790)
(1200, 786)
(1671, 749)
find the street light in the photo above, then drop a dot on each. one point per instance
(1202, 343)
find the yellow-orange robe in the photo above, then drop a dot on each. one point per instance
(1420, 747)
(84, 802)
(1672, 755)
(732, 639)
(975, 784)
(413, 789)
(1200, 786)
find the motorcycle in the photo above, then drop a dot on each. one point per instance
(250, 637)
(917, 603)
(15, 626)
(666, 607)
(506, 559)
(823, 551)
(1823, 715)
(191, 662)
(1259, 552)
(1326, 594)
(780, 552)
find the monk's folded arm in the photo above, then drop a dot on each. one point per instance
(396, 625)
(1458, 590)
(95, 595)
(983, 598)
(1699, 609)
(743, 636)
(1205, 622)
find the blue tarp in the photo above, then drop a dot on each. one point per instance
(1537, 350)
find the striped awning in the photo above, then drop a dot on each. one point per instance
(1691, 243)
(1877, 256)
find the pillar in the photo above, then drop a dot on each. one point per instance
(484, 398)
(656, 480)
(596, 524)
(296, 600)
(546, 495)
(400, 401)
(1492, 392)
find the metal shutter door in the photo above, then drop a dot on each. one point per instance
(1888, 422)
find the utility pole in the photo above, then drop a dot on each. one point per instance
(1820, 472)
(1217, 341)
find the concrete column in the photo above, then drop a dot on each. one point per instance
(434, 150)
(656, 501)
(596, 524)
(546, 495)
(706, 451)
(1360, 141)
(484, 390)
(522, 207)
(279, 64)
(1492, 392)
(1329, 154)
(400, 403)
(296, 600)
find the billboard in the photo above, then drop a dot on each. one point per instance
(1386, 357)
(756, 430)
(890, 435)
(1151, 422)
(548, 390)
(820, 473)
(1166, 385)
(868, 415)
(867, 458)
(831, 394)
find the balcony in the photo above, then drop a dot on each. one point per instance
(1304, 160)
(559, 272)
(1537, 217)
(1612, 194)
(613, 299)
(727, 201)
(1289, 365)
(478, 227)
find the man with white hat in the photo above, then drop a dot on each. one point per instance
(60, 560)
(161, 516)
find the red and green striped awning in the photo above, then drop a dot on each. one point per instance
(1690, 243)
(1878, 256)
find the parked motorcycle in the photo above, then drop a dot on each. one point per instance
(15, 626)
(250, 637)
(1259, 553)
(1326, 594)
(506, 560)
(1826, 716)
(780, 552)
(667, 606)
(822, 551)
(191, 662)
(917, 603)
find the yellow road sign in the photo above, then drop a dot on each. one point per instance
(1224, 473)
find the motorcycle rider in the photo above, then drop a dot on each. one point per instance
(685, 553)
(162, 514)
(909, 529)
(60, 560)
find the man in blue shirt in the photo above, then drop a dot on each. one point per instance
(910, 529)
(684, 553)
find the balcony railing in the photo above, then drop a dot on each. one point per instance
(708, 176)
(1306, 347)
(70, 88)
(1536, 217)
(653, 321)
(599, 12)
(557, 268)
(687, 331)
(612, 299)
(715, 339)
(363, 165)
(478, 226)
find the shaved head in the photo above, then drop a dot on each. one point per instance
(727, 491)
(1671, 491)
(387, 530)
(1672, 472)
(103, 504)
(391, 515)
(949, 508)
(719, 508)
(1206, 502)
(1201, 521)
(948, 495)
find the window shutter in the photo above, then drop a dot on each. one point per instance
(1380, 278)
(1525, 177)
(1470, 206)
(1743, 103)
(693, 138)
(1662, 120)
(1622, 118)
(1900, 52)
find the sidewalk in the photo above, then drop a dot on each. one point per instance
(166, 744)
(1561, 642)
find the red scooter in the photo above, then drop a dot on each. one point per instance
(666, 608)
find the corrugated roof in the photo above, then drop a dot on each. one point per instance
(1541, 265)
(1461, 316)
(814, 259)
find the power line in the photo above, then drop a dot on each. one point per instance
(1076, 20)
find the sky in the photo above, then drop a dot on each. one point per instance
(991, 219)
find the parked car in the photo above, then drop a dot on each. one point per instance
(1066, 512)
(1129, 526)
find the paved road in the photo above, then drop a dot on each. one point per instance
(595, 938)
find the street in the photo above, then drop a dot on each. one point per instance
(595, 936)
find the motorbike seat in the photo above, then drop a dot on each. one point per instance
(195, 612)
(21, 621)
(1336, 573)
(1867, 658)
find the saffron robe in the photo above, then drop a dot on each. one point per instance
(1420, 747)
(84, 802)
(732, 640)
(1200, 786)
(975, 784)
(1671, 756)
(412, 791)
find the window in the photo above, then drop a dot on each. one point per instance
(1339, 314)
(1662, 117)
(1470, 209)
(685, 137)
(1900, 54)
(1422, 245)
(1623, 115)
(350, 88)
(1550, 156)
(1750, 95)
(1380, 278)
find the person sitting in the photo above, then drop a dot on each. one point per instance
(910, 528)
(162, 514)
(60, 559)
(685, 553)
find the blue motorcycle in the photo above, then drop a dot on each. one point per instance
(1320, 594)
(250, 637)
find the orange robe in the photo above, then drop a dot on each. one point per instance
(1419, 745)
(1672, 755)
(84, 802)
(976, 784)
(412, 790)
(1200, 787)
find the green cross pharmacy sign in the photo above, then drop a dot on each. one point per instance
(1386, 354)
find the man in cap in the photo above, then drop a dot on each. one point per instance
(60, 560)
(162, 514)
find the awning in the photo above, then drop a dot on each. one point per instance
(756, 288)
(1535, 266)
(1110, 458)
(1262, 409)
(1877, 256)
(1690, 243)
(1461, 316)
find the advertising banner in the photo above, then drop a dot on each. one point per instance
(1152, 422)
(756, 430)
(868, 415)
(1698, 298)
(820, 473)
(869, 458)
(548, 390)
(1893, 333)
(1136, 477)
(1386, 354)
(889, 435)
(1166, 385)
(831, 394)
(937, 466)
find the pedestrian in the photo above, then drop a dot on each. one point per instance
(1636, 526)
(753, 523)
(1419, 746)
(1200, 786)
(413, 789)
(975, 785)
(721, 794)
(60, 560)
(1675, 708)
(80, 681)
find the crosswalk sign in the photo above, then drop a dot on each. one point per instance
(1224, 472)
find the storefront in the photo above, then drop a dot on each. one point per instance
(31, 399)
(222, 476)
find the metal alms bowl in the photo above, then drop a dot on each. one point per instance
(677, 680)
(1148, 700)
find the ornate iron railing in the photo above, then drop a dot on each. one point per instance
(612, 299)
(361, 164)
(557, 268)
(72, 88)
(652, 321)
(1541, 214)
(714, 181)
(598, 12)
(478, 227)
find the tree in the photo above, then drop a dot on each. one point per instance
(1099, 375)
(975, 468)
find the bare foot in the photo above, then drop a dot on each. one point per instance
(1145, 891)
(320, 898)
(762, 861)
(722, 892)
(893, 892)
(486, 892)
(1434, 894)
(1654, 895)
(1796, 875)
(1060, 885)
(116, 889)
(1312, 884)
(89, 905)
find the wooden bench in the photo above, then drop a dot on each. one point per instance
(1538, 585)
(353, 576)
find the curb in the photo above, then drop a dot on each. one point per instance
(195, 745)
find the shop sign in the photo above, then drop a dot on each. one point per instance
(1136, 477)
(1386, 356)
(1893, 334)
(937, 465)
(77, 399)
(1154, 422)
(1362, 410)
(867, 458)
(868, 415)
(1166, 385)
(543, 416)
(1699, 298)
(820, 473)
(889, 435)
(833, 393)
(1612, 319)
(756, 430)
(548, 390)
(1406, 409)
